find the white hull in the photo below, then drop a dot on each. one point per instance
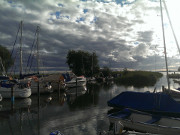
(76, 82)
(1, 97)
(43, 86)
(18, 92)
(141, 122)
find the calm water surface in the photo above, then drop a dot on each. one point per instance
(77, 112)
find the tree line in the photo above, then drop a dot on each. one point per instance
(6, 58)
(80, 62)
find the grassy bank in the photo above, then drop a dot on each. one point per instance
(137, 78)
(175, 76)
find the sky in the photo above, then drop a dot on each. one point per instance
(122, 33)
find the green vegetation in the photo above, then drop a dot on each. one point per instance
(175, 76)
(137, 78)
(85, 63)
(106, 71)
(82, 62)
(6, 58)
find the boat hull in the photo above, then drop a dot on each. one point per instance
(143, 122)
(18, 93)
(1, 97)
(79, 83)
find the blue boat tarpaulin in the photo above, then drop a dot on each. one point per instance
(145, 101)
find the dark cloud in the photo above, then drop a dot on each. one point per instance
(107, 28)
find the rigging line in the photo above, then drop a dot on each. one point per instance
(15, 40)
(31, 63)
(165, 53)
(171, 26)
(13, 67)
(31, 51)
(31, 60)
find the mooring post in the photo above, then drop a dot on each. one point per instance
(12, 98)
(76, 81)
(76, 87)
(59, 88)
(38, 94)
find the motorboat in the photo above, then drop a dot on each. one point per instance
(79, 81)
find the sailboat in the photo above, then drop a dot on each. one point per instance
(172, 92)
(36, 79)
(159, 103)
(9, 86)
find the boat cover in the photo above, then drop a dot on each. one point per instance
(146, 101)
(5, 85)
(4, 78)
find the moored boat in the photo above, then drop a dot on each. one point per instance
(1, 97)
(159, 103)
(20, 90)
(44, 87)
(79, 81)
(145, 122)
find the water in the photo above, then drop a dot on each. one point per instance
(78, 112)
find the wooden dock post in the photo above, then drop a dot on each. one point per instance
(59, 88)
(12, 98)
(76, 87)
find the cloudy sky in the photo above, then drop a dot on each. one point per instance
(123, 33)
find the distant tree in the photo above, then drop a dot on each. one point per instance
(5, 55)
(178, 68)
(106, 71)
(82, 62)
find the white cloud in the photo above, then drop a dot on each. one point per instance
(114, 31)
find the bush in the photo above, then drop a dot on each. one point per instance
(138, 78)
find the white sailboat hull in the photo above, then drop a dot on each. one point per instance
(18, 92)
(44, 87)
(1, 97)
(141, 122)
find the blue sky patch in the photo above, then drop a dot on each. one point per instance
(60, 5)
(80, 19)
(58, 13)
(136, 43)
(85, 10)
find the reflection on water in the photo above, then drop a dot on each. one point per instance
(74, 111)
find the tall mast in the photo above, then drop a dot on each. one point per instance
(171, 26)
(21, 62)
(3, 69)
(165, 53)
(92, 67)
(38, 49)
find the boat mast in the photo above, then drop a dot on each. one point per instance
(38, 49)
(164, 45)
(21, 62)
(92, 67)
(3, 69)
(171, 26)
